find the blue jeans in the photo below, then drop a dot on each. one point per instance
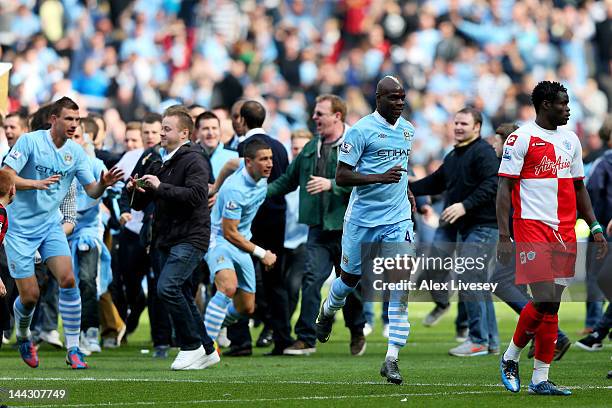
(478, 241)
(605, 323)
(446, 237)
(515, 296)
(323, 250)
(174, 288)
(595, 297)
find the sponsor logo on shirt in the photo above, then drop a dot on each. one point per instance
(511, 140)
(48, 171)
(15, 154)
(538, 144)
(346, 147)
(387, 154)
(548, 165)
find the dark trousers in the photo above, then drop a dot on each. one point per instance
(88, 271)
(132, 266)
(6, 303)
(324, 250)
(272, 297)
(269, 233)
(176, 292)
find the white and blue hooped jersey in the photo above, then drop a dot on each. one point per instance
(373, 146)
(239, 199)
(36, 157)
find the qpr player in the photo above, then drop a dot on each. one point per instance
(542, 173)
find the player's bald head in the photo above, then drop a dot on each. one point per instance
(387, 85)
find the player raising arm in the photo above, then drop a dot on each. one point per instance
(44, 164)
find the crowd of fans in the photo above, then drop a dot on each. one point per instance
(122, 58)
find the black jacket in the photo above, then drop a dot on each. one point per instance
(599, 187)
(181, 201)
(469, 176)
(147, 158)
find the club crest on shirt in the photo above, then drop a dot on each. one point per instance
(67, 158)
(567, 144)
(382, 135)
(407, 135)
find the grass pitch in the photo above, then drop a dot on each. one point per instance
(331, 377)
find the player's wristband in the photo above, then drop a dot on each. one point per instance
(596, 228)
(259, 252)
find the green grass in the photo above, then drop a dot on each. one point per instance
(331, 377)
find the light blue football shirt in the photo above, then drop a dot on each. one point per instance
(373, 146)
(219, 157)
(89, 221)
(239, 199)
(36, 157)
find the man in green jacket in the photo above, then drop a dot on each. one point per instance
(322, 207)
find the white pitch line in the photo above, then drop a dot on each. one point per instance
(318, 398)
(272, 381)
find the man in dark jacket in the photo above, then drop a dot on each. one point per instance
(600, 191)
(181, 231)
(469, 177)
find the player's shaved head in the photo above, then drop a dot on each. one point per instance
(390, 98)
(388, 84)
